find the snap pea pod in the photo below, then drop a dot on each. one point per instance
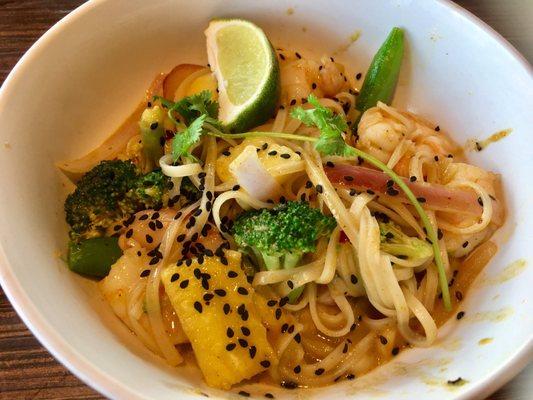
(93, 257)
(382, 75)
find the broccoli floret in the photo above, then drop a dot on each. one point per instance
(397, 243)
(189, 191)
(282, 235)
(108, 193)
(149, 191)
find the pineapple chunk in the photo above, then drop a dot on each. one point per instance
(215, 305)
(272, 162)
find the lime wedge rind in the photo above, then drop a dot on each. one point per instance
(230, 44)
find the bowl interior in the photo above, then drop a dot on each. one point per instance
(87, 74)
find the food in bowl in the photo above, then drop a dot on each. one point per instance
(266, 215)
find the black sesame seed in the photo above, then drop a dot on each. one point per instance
(154, 261)
(297, 369)
(224, 260)
(208, 296)
(383, 340)
(154, 125)
(308, 185)
(284, 327)
(230, 346)
(143, 217)
(269, 395)
(458, 295)
(412, 178)
(188, 262)
(245, 315)
(197, 273)
(436, 158)
(146, 272)
(480, 201)
(244, 394)
(285, 156)
(265, 363)
(345, 348)
(369, 191)
(226, 308)
(465, 244)
(272, 153)
(235, 188)
(319, 188)
(460, 314)
(232, 274)
(242, 291)
(353, 279)
(278, 313)
(293, 102)
(226, 153)
(395, 351)
(421, 199)
(439, 234)
(198, 306)
(243, 343)
(230, 333)
(220, 292)
(291, 329)
(392, 192)
(437, 128)
(297, 338)
(319, 371)
(129, 233)
(271, 303)
(149, 239)
(245, 331)
(289, 385)
(350, 377)
(290, 284)
(184, 284)
(253, 351)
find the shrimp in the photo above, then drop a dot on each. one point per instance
(125, 276)
(455, 173)
(301, 77)
(383, 128)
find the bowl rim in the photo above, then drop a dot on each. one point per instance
(88, 372)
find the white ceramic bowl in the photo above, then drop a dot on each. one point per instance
(84, 76)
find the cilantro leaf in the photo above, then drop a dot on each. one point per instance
(183, 141)
(331, 126)
(192, 107)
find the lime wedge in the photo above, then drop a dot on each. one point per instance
(247, 71)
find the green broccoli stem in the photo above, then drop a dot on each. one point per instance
(272, 263)
(291, 260)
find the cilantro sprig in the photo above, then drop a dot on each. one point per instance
(331, 126)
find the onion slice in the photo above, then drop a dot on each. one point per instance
(253, 177)
(433, 196)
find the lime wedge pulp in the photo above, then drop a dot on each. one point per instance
(247, 71)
